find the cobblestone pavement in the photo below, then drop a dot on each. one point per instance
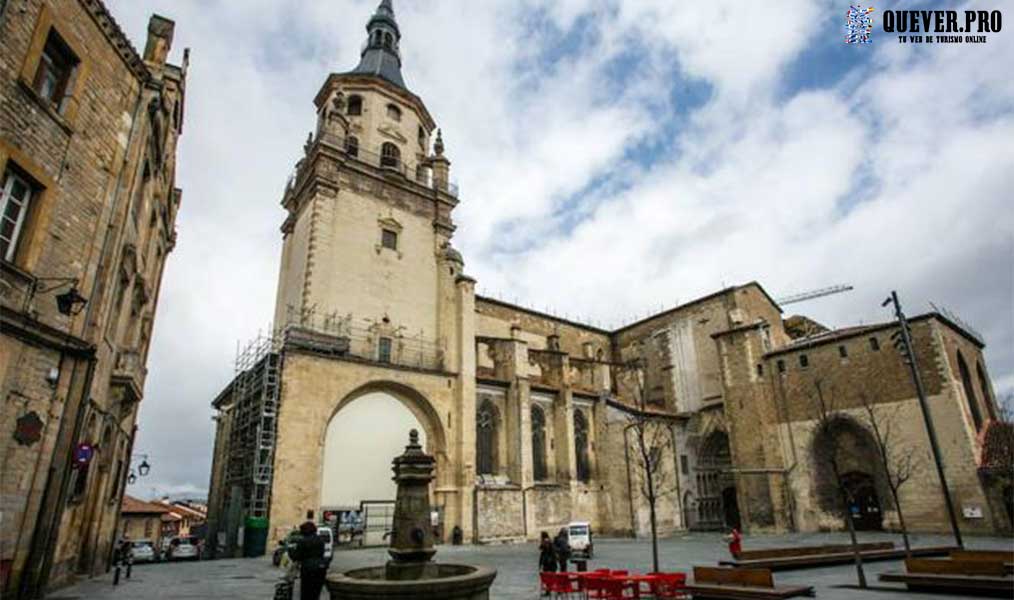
(251, 579)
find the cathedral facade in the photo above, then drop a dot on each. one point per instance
(534, 419)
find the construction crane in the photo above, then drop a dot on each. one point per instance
(810, 295)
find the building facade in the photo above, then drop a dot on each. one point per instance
(534, 420)
(88, 137)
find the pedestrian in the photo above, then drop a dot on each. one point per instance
(309, 553)
(735, 542)
(562, 548)
(547, 555)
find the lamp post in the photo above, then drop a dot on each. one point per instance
(142, 469)
(904, 345)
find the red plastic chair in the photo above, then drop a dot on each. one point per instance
(669, 585)
(556, 583)
(595, 584)
(615, 588)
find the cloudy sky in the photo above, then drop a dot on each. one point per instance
(614, 158)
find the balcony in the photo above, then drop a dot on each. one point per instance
(419, 173)
(376, 344)
(128, 375)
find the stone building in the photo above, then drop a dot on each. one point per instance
(88, 137)
(531, 417)
(140, 520)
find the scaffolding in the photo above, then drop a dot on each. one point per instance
(255, 399)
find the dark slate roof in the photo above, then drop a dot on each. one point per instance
(380, 63)
(378, 60)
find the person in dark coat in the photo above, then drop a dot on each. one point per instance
(547, 555)
(562, 548)
(309, 553)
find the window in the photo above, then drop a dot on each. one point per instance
(760, 370)
(384, 350)
(874, 344)
(804, 361)
(539, 443)
(393, 112)
(15, 197)
(388, 41)
(355, 106)
(390, 156)
(486, 422)
(781, 365)
(389, 239)
(987, 396)
(966, 383)
(352, 146)
(684, 464)
(843, 352)
(422, 136)
(581, 446)
(56, 65)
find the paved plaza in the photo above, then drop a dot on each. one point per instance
(251, 579)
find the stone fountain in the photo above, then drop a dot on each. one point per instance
(411, 572)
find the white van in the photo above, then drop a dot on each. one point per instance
(327, 536)
(579, 536)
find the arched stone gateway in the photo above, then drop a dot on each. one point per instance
(316, 392)
(716, 485)
(853, 448)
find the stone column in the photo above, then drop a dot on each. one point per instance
(461, 432)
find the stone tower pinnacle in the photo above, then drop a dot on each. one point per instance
(380, 56)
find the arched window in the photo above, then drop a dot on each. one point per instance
(352, 145)
(378, 37)
(966, 382)
(393, 112)
(538, 443)
(581, 446)
(390, 156)
(987, 397)
(388, 40)
(355, 105)
(487, 421)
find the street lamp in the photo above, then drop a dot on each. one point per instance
(904, 345)
(69, 303)
(142, 469)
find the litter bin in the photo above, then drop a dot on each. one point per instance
(255, 536)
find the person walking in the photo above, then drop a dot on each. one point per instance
(547, 555)
(562, 548)
(309, 553)
(735, 540)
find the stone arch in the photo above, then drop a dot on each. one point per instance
(421, 409)
(412, 399)
(855, 450)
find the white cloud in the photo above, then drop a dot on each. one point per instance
(895, 177)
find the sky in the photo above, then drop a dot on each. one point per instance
(614, 158)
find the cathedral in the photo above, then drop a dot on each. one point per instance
(537, 421)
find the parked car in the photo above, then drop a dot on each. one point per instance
(143, 551)
(183, 549)
(579, 535)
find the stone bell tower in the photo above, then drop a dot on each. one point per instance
(371, 294)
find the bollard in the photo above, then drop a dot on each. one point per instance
(130, 563)
(116, 575)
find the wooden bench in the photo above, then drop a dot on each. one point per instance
(1004, 556)
(740, 584)
(778, 559)
(980, 577)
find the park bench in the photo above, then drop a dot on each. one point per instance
(979, 577)
(1004, 556)
(740, 584)
(802, 557)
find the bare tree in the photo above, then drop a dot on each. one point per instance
(650, 435)
(899, 459)
(827, 428)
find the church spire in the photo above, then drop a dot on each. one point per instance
(380, 56)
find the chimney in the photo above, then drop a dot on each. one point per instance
(160, 39)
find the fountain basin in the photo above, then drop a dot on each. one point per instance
(440, 582)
